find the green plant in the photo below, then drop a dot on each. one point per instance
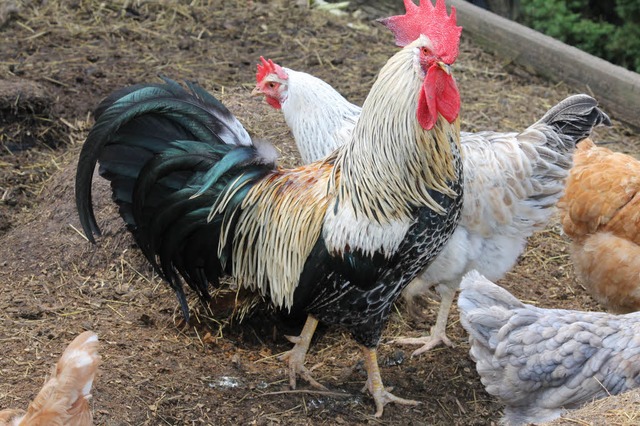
(610, 30)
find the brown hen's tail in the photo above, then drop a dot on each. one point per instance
(585, 145)
(64, 398)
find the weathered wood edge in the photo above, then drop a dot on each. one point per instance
(616, 89)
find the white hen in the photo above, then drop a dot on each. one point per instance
(541, 362)
(319, 117)
(512, 180)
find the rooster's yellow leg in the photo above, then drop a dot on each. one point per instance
(374, 383)
(439, 331)
(297, 354)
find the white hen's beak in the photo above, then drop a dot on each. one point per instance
(256, 91)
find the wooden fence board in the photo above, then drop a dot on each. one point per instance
(616, 88)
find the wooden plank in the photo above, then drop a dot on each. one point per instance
(616, 89)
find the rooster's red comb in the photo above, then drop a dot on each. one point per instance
(434, 22)
(266, 67)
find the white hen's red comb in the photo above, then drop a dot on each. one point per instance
(266, 67)
(433, 22)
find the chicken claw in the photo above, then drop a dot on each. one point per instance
(380, 395)
(438, 332)
(297, 354)
(428, 342)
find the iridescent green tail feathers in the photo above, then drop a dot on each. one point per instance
(170, 154)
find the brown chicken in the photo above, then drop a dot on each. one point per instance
(64, 398)
(601, 214)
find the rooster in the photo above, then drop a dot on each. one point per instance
(600, 212)
(337, 239)
(64, 398)
(540, 362)
(512, 180)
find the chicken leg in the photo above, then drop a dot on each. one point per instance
(438, 332)
(380, 395)
(297, 354)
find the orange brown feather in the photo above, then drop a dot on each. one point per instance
(600, 212)
(64, 398)
(294, 203)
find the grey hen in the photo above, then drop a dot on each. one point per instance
(541, 362)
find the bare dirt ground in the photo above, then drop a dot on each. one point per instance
(156, 369)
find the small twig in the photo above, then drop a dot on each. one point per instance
(576, 421)
(114, 310)
(198, 336)
(68, 124)
(307, 391)
(79, 232)
(34, 36)
(54, 81)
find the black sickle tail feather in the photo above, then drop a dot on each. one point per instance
(145, 118)
(575, 117)
(169, 155)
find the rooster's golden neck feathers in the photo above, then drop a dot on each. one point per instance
(392, 162)
(374, 181)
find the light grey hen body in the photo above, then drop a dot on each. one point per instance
(542, 362)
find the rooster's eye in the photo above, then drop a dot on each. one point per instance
(271, 85)
(425, 51)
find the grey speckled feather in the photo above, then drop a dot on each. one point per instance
(540, 362)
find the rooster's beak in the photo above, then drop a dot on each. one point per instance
(445, 67)
(256, 91)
